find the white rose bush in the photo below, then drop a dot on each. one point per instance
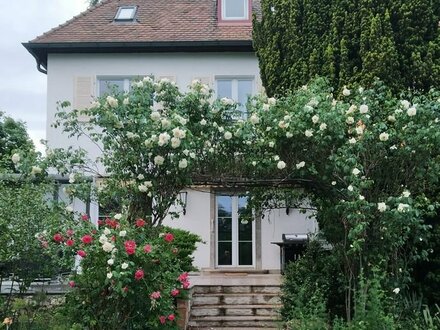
(351, 155)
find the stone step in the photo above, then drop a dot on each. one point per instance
(235, 310)
(230, 322)
(235, 299)
(236, 289)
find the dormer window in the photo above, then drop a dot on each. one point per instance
(234, 10)
(125, 14)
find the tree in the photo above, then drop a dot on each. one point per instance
(13, 138)
(93, 2)
(349, 42)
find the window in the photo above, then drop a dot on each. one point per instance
(112, 85)
(234, 10)
(125, 14)
(237, 89)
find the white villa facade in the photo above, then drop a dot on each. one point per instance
(180, 40)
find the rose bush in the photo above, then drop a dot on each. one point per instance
(128, 276)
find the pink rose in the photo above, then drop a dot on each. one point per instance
(58, 237)
(183, 277)
(162, 319)
(147, 248)
(171, 317)
(130, 247)
(84, 217)
(168, 237)
(72, 284)
(82, 253)
(140, 222)
(70, 242)
(87, 239)
(69, 232)
(155, 295)
(139, 275)
(175, 292)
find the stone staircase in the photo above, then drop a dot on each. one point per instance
(234, 307)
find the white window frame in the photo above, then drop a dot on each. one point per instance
(234, 87)
(234, 238)
(238, 18)
(130, 19)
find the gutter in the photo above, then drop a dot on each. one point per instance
(40, 51)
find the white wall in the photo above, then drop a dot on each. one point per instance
(63, 68)
(273, 225)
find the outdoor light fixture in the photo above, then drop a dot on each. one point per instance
(183, 197)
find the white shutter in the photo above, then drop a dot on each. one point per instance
(259, 86)
(83, 95)
(204, 80)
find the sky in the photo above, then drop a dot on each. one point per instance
(23, 87)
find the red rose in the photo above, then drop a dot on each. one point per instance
(175, 292)
(58, 237)
(162, 319)
(84, 217)
(82, 253)
(147, 248)
(70, 242)
(171, 317)
(140, 222)
(185, 284)
(72, 284)
(100, 222)
(139, 275)
(130, 247)
(87, 239)
(168, 237)
(69, 232)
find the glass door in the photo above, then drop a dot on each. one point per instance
(235, 243)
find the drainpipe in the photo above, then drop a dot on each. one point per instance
(40, 68)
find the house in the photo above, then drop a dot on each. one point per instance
(180, 40)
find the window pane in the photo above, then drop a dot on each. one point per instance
(224, 229)
(245, 231)
(225, 253)
(126, 13)
(235, 8)
(244, 91)
(224, 89)
(108, 86)
(245, 253)
(224, 206)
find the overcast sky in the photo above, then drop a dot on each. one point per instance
(22, 87)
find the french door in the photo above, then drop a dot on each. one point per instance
(235, 238)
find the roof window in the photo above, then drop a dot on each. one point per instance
(125, 14)
(234, 10)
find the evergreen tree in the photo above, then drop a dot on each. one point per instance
(349, 42)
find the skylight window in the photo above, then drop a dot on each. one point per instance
(235, 9)
(125, 14)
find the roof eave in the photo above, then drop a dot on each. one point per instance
(41, 50)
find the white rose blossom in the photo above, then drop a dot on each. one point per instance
(107, 231)
(405, 104)
(352, 141)
(402, 207)
(107, 247)
(123, 233)
(164, 138)
(356, 171)
(109, 275)
(203, 122)
(175, 142)
(69, 208)
(411, 111)
(308, 133)
(111, 101)
(300, 165)
(159, 160)
(110, 262)
(227, 135)
(382, 207)
(323, 127)
(15, 158)
(349, 120)
(396, 290)
(36, 170)
(183, 163)
(124, 265)
(315, 119)
(383, 136)
(363, 108)
(103, 239)
(271, 101)
(406, 193)
(254, 119)
(346, 91)
(266, 107)
(281, 165)
(350, 188)
(155, 116)
(118, 216)
(391, 118)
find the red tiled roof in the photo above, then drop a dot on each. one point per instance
(156, 21)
